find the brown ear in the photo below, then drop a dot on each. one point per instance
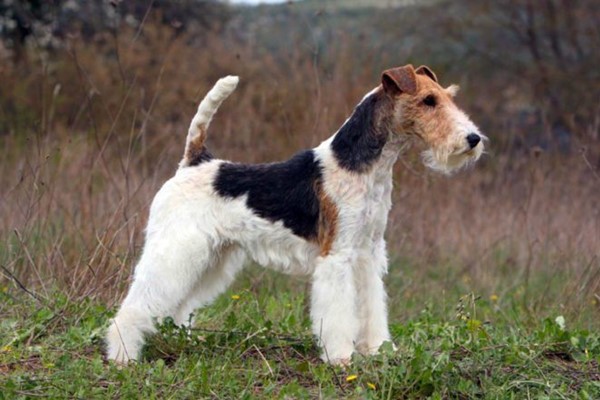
(399, 80)
(424, 70)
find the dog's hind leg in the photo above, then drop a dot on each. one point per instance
(163, 280)
(213, 282)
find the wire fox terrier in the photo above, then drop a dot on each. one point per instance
(321, 213)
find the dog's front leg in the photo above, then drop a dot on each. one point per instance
(372, 299)
(333, 308)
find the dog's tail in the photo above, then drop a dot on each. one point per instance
(195, 151)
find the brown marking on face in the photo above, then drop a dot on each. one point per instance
(328, 220)
(426, 113)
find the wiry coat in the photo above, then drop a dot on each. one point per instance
(322, 213)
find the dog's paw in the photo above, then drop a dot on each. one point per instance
(340, 362)
(340, 358)
(382, 346)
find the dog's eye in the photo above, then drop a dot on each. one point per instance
(430, 101)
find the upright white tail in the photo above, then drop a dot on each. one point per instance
(195, 151)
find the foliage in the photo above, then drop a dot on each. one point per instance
(254, 344)
(92, 122)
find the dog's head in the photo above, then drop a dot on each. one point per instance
(421, 107)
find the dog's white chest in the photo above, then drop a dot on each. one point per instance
(376, 207)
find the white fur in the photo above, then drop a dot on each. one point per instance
(197, 241)
(348, 296)
(455, 153)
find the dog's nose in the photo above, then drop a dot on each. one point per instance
(473, 139)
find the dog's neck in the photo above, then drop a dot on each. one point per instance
(366, 143)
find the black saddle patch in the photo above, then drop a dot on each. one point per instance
(358, 143)
(283, 191)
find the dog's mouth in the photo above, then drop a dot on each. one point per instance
(448, 162)
(470, 153)
(467, 152)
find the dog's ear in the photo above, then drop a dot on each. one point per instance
(425, 70)
(399, 80)
(452, 90)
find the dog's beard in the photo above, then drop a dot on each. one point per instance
(446, 161)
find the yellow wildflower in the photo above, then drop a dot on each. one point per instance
(350, 378)
(235, 297)
(371, 386)
(494, 298)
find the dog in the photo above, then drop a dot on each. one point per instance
(322, 213)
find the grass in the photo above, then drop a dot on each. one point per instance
(485, 262)
(255, 342)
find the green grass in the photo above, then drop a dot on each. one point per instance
(258, 345)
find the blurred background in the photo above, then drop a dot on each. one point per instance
(96, 98)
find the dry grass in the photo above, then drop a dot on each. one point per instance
(90, 132)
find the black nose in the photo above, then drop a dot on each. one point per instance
(473, 139)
